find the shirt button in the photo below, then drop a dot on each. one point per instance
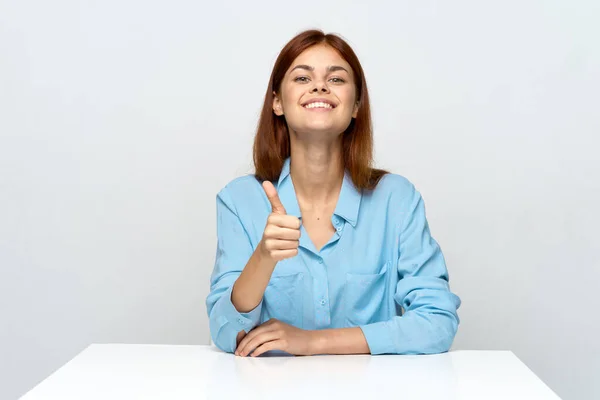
(320, 261)
(322, 302)
(241, 321)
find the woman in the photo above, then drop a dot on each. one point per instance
(318, 253)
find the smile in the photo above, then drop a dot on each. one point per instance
(318, 105)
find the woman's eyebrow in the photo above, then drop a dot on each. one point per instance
(331, 68)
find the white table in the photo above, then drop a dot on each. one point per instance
(120, 371)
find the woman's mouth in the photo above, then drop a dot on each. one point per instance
(319, 106)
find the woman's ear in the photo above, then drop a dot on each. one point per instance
(355, 110)
(277, 108)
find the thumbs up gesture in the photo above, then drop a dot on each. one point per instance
(282, 233)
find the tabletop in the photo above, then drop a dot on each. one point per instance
(136, 371)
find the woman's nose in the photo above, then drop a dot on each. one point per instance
(320, 87)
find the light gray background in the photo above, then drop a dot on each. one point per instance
(120, 121)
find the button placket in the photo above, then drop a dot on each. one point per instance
(322, 312)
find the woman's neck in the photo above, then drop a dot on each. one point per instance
(317, 172)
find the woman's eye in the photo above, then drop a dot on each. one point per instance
(304, 79)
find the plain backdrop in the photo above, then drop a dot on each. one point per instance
(121, 120)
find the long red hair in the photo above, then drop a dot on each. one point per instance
(272, 141)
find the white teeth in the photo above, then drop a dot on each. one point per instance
(318, 105)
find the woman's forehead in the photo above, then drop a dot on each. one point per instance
(320, 57)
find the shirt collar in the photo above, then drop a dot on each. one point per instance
(347, 206)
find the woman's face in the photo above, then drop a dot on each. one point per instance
(319, 73)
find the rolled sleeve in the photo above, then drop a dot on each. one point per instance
(234, 249)
(430, 321)
(227, 312)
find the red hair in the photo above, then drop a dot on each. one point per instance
(272, 141)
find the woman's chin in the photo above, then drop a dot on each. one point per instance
(320, 128)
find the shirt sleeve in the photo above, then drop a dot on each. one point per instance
(430, 320)
(233, 252)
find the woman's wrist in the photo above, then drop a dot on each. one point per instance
(317, 342)
(338, 341)
(263, 258)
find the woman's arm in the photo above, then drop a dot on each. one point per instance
(234, 308)
(235, 301)
(340, 341)
(430, 320)
(249, 288)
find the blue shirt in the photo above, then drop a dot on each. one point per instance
(380, 271)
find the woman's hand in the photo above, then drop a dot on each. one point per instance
(282, 233)
(277, 335)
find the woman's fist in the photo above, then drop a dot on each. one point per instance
(282, 233)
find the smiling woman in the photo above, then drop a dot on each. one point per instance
(318, 252)
(308, 59)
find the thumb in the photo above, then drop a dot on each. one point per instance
(273, 197)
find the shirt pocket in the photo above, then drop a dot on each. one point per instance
(364, 296)
(284, 299)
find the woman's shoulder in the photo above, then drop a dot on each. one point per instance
(243, 182)
(396, 185)
(393, 192)
(241, 189)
